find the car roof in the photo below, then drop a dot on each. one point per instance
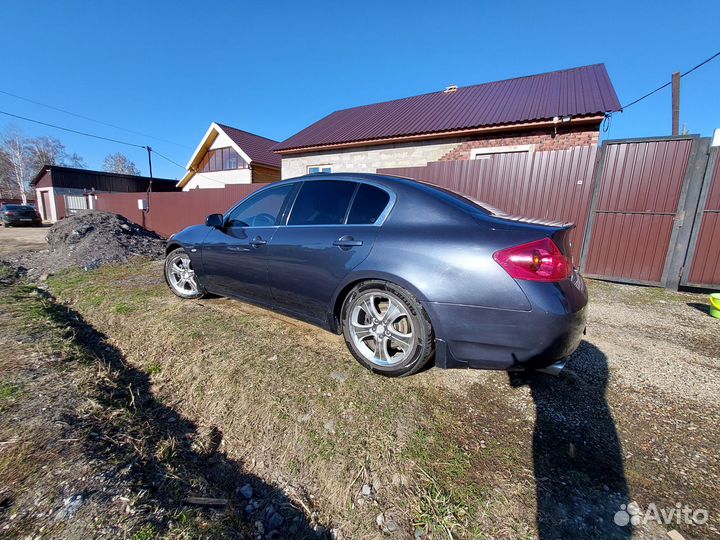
(389, 181)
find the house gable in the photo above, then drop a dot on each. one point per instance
(214, 139)
(208, 166)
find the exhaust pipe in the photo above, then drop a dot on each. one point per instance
(554, 369)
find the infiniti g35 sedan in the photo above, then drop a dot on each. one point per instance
(405, 271)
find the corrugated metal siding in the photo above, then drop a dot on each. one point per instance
(554, 185)
(581, 91)
(705, 266)
(638, 198)
(68, 177)
(172, 212)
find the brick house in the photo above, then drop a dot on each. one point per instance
(550, 111)
(227, 155)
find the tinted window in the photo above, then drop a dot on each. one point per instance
(322, 203)
(368, 205)
(261, 210)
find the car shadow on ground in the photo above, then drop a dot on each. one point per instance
(171, 458)
(578, 459)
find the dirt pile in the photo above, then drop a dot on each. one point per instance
(90, 240)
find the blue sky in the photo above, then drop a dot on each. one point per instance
(168, 68)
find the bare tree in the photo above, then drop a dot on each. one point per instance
(50, 151)
(7, 181)
(15, 155)
(22, 157)
(120, 163)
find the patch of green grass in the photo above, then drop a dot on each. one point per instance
(8, 392)
(7, 273)
(123, 308)
(154, 368)
(451, 493)
(148, 532)
(323, 446)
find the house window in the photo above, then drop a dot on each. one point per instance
(221, 159)
(487, 153)
(315, 169)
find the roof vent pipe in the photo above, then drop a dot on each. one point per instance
(450, 89)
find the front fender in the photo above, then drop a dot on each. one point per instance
(191, 240)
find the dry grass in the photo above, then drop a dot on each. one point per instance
(445, 453)
(268, 382)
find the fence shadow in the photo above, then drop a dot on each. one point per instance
(172, 458)
(578, 460)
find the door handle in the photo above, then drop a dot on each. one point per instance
(346, 242)
(257, 242)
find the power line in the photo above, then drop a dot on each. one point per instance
(65, 111)
(183, 167)
(670, 82)
(72, 130)
(144, 147)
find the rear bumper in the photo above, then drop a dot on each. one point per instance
(488, 338)
(21, 221)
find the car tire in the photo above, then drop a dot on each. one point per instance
(180, 276)
(386, 329)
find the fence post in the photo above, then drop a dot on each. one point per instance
(685, 215)
(599, 168)
(713, 157)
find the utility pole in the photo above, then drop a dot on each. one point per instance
(149, 151)
(676, 103)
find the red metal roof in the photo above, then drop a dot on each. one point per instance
(581, 91)
(256, 147)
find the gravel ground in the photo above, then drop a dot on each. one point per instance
(658, 340)
(17, 240)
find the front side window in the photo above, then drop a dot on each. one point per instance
(323, 202)
(367, 206)
(261, 210)
(315, 169)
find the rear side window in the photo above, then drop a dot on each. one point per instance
(369, 203)
(323, 202)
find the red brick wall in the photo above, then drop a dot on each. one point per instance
(542, 139)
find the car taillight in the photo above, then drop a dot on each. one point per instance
(540, 260)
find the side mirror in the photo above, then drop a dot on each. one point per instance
(215, 221)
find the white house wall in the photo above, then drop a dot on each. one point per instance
(219, 179)
(40, 203)
(370, 158)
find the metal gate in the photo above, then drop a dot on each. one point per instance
(638, 209)
(702, 264)
(75, 203)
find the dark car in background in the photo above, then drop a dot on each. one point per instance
(19, 214)
(406, 271)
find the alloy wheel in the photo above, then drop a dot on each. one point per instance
(181, 275)
(381, 328)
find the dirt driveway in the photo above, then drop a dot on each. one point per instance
(17, 240)
(631, 427)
